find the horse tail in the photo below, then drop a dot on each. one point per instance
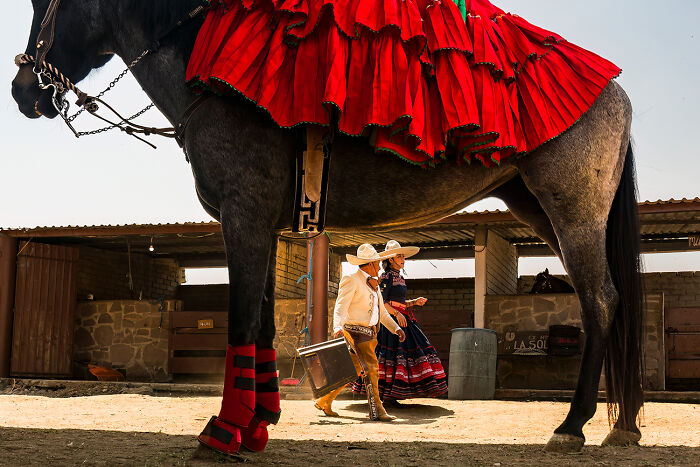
(624, 368)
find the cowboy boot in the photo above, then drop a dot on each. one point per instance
(373, 376)
(267, 401)
(223, 433)
(323, 403)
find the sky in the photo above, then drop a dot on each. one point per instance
(48, 177)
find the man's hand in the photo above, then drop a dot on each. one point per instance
(420, 301)
(338, 334)
(401, 334)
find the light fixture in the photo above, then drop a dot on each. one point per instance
(151, 247)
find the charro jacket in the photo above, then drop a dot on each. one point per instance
(354, 304)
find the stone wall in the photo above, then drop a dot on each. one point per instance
(506, 313)
(127, 335)
(103, 274)
(680, 289)
(290, 318)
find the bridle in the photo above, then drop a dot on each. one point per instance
(50, 77)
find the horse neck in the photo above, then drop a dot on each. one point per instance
(161, 74)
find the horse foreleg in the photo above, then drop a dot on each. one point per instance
(267, 397)
(249, 241)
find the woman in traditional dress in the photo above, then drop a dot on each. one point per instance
(410, 368)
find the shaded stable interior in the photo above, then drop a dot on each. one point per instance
(128, 308)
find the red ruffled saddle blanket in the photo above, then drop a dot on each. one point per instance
(431, 84)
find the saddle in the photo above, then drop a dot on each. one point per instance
(313, 162)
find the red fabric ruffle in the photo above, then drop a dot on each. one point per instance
(430, 84)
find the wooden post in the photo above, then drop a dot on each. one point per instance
(479, 275)
(496, 270)
(8, 268)
(319, 283)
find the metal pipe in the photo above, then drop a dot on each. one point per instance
(8, 268)
(309, 285)
(319, 279)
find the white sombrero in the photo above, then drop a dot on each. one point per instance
(392, 246)
(367, 254)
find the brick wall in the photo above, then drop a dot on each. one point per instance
(452, 295)
(680, 289)
(292, 264)
(103, 273)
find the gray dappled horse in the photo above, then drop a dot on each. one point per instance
(577, 192)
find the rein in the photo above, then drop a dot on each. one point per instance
(50, 77)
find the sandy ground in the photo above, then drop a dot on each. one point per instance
(132, 429)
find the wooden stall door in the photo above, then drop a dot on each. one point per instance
(45, 295)
(683, 347)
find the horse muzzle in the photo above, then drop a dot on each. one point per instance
(32, 101)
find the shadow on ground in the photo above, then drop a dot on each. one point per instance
(406, 413)
(20, 446)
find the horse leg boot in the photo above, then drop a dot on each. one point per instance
(267, 401)
(223, 433)
(267, 397)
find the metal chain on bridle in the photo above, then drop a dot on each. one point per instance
(50, 77)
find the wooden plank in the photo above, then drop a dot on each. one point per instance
(199, 341)
(684, 346)
(196, 365)
(196, 330)
(683, 369)
(682, 318)
(188, 319)
(44, 307)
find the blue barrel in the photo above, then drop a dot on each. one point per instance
(472, 370)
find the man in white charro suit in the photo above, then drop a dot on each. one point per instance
(358, 310)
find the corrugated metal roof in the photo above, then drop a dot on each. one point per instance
(475, 217)
(661, 220)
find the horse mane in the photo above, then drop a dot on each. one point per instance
(160, 16)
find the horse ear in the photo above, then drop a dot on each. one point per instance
(546, 270)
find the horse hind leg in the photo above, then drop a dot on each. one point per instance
(575, 179)
(526, 208)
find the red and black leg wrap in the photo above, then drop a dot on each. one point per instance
(223, 433)
(267, 400)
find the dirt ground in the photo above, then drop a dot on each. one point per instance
(139, 429)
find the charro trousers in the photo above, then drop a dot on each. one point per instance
(366, 352)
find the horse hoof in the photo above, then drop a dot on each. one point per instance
(564, 443)
(619, 437)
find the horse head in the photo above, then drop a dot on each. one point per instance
(542, 282)
(78, 43)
